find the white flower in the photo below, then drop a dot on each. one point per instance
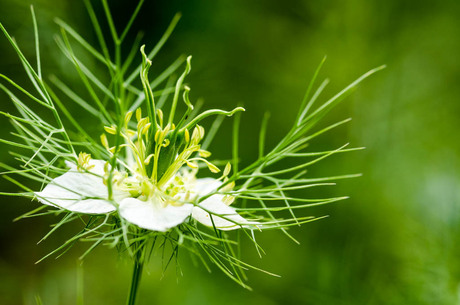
(82, 190)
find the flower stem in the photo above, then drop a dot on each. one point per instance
(136, 278)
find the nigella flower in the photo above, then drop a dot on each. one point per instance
(139, 199)
(150, 186)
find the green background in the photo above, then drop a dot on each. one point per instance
(395, 241)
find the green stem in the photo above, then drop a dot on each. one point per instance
(136, 279)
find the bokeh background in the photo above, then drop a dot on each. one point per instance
(395, 241)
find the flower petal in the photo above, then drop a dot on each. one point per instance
(205, 186)
(79, 192)
(215, 205)
(152, 216)
(98, 166)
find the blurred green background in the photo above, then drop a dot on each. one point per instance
(395, 241)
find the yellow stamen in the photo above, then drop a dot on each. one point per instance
(128, 116)
(227, 169)
(187, 136)
(204, 153)
(110, 129)
(104, 141)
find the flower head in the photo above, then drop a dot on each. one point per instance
(147, 193)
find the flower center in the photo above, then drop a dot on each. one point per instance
(152, 161)
(157, 154)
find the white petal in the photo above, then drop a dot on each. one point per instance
(98, 166)
(215, 205)
(71, 165)
(152, 216)
(205, 186)
(79, 192)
